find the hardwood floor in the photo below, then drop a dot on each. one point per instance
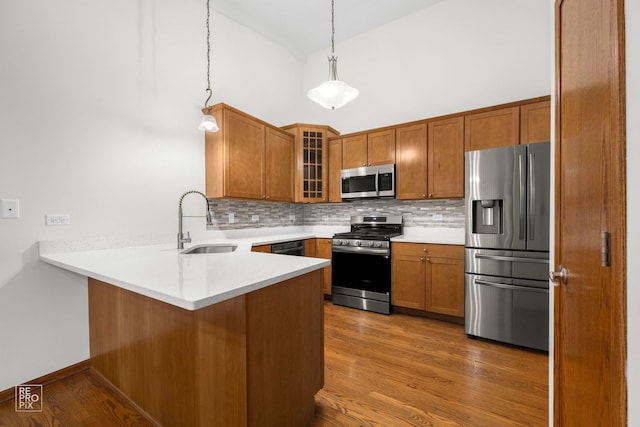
(380, 370)
(402, 370)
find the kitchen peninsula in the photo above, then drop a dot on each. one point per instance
(216, 339)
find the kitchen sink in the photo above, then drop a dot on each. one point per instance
(210, 249)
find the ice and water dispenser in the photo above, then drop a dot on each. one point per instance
(487, 216)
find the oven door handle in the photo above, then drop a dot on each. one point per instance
(362, 251)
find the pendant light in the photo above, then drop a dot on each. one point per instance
(208, 122)
(333, 93)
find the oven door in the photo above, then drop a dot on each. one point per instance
(361, 275)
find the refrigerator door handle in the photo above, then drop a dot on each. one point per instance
(521, 172)
(510, 287)
(532, 196)
(511, 258)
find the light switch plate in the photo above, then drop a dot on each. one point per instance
(9, 208)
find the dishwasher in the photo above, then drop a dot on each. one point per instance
(294, 247)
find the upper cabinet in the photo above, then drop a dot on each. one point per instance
(535, 122)
(373, 148)
(311, 161)
(491, 129)
(335, 165)
(430, 160)
(445, 156)
(248, 158)
(411, 162)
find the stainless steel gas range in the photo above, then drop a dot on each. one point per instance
(361, 263)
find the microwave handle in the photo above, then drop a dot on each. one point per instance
(377, 190)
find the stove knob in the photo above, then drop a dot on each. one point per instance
(370, 243)
(358, 243)
(344, 242)
(378, 244)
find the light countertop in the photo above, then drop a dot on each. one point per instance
(162, 272)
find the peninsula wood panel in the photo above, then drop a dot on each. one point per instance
(195, 367)
(491, 129)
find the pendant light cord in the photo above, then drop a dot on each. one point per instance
(333, 28)
(209, 91)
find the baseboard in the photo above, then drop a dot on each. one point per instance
(61, 374)
(435, 316)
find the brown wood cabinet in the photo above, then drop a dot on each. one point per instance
(411, 162)
(261, 248)
(248, 158)
(535, 122)
(491, 129)
(428, 277)
(311, 161)
(445, 168)
(335, 165)
(373, 148)
(323, 250)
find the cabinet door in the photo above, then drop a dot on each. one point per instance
(261, 248)
(354, 151)
(411, 162)
(323, 250)
(381, 147)
(535, 122)
(492, 129)
(244, 157)
(279, 165)
(408, 279)
(445, 287)
(446, 158)
(312, 155)
(335, 165)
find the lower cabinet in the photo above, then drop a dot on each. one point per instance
(261, 248)
(323, 250)
(428, 277)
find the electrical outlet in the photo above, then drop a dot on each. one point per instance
(232, 218)
(437, 217)
(10, 208)
(292, 217)
(255, 218)
(57, 219)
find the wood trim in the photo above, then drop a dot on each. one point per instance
(454, 115)
(58, 375)
(295, 126)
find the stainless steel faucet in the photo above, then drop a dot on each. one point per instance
(181, 237)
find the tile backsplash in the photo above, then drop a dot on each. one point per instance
(416, 213)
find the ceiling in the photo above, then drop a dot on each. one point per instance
(304, 26)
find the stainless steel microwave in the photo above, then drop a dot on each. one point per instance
(369, 181)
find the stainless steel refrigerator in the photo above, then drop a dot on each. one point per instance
(507, 244)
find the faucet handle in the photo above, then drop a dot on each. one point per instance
(186, 239)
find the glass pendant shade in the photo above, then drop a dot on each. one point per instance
(333, 94)
(208, 123)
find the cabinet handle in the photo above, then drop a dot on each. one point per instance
(422, 259)
(428, 259)
(424, 250)
(424, 195)
(430, 195)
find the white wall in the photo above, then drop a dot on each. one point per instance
(632, 16)
(99, 104)
(450, 57)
